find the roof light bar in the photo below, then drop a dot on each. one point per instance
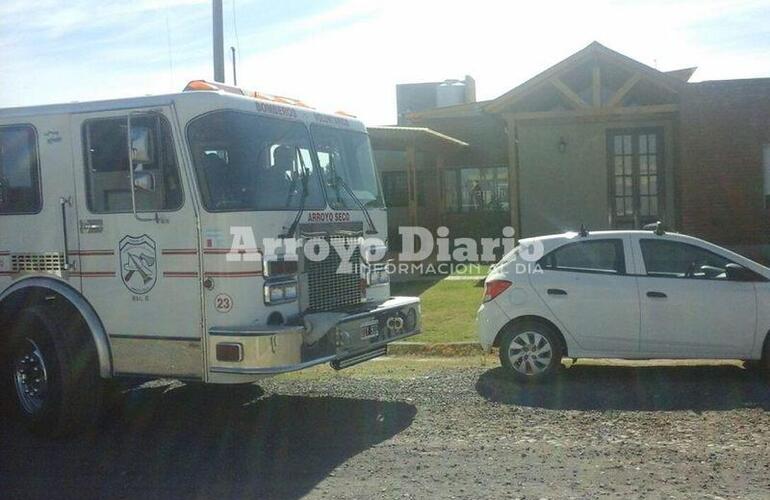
(204, 85)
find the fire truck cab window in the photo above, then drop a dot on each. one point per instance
(156, 175)
(244, 161)
(19, 179)
(347, 167)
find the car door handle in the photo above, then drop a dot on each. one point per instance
(556, 291)
(657, 295)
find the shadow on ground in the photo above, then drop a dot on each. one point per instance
(200, 442)
(587, 387)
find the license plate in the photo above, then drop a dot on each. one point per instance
(370, 331)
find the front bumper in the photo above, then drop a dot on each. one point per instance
(270, 350)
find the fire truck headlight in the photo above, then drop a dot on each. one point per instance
(290, 292)
(277, 293)
(378, 275)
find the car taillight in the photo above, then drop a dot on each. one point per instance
(494, 288)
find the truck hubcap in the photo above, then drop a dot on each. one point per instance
(530, 353)
(30, 377)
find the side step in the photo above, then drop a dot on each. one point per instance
(339, 364)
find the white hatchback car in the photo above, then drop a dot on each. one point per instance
(623, 294)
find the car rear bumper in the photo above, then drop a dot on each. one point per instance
(490, 319)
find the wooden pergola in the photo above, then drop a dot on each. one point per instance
(411, 140)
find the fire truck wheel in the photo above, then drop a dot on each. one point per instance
(53, 369)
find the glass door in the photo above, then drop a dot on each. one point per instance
(635, 177)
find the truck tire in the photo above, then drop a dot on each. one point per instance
(53, 370)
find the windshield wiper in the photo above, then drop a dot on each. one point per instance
(339, 180)
(303, 196)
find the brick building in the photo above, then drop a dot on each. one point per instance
(598, 139)
(725, 162)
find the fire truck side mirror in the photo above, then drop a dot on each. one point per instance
(141, 144)
(144, 181)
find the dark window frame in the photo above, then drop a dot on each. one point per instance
(457, 173)
(388, 182)
(620, 250)
(636, 218)
(172, 150)
(37, 178)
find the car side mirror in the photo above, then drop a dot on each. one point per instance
(736, 272)
(711, 271)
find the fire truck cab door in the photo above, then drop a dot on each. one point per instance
(139, 270)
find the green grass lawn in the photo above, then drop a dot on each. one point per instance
(448, 308)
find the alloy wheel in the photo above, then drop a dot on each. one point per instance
(530, 353)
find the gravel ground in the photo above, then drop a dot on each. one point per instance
(417, 429)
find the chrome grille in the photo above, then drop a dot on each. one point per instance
(328, 289)
(46, 262)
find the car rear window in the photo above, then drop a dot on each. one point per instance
(597, 256)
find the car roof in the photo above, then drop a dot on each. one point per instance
(552, 241)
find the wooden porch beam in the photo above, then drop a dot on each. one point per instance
(411, 170)
(598, 112)
(624, 89)
(596, 86)
(439, 168)
(568, 93)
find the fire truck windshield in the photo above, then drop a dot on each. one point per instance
(245, 161)
(347, 167)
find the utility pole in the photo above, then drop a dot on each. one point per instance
(219, 50)
(235, 75)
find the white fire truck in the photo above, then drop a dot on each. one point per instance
(116, 246)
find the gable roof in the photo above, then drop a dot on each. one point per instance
(593, 50)
(683, 74)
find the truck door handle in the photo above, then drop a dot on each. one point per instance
(91, 226)
(556, 291)
(657, 295)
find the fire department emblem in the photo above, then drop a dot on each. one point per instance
(138, 263)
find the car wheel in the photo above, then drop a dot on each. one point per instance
(762, 365)
(530, 351)
(53, 369)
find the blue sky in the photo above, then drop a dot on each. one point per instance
(349, 54)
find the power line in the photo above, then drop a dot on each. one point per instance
(170, 54)
(235, 30)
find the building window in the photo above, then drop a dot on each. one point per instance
(635, 170)
(19, 177)
(766, 161)
(472, 189)
(108, 183)
(395, 189)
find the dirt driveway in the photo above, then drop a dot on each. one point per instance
(415, 429)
